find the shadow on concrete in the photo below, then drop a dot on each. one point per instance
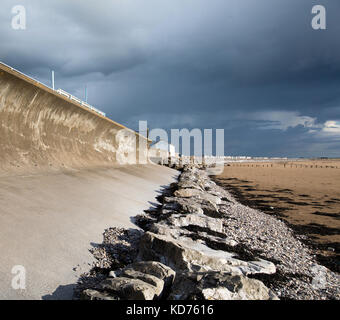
(63, 292)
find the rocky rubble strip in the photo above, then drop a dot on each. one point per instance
(199, 243)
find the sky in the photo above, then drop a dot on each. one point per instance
(256, 69)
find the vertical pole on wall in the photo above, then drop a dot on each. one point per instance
(86, 94)
(53, 79)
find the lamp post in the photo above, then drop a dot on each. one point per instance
(53, 79)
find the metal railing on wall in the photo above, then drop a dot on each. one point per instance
(13, 69)
(84, 104)
(60, 91)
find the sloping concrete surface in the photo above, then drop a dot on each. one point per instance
(49, 221)
(61, 185)
(41, 129)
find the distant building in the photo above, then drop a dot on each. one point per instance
(164, 146)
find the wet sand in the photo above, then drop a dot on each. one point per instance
(305, 194)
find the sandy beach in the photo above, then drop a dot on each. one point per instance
(305, 194)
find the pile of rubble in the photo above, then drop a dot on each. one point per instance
(199, 243)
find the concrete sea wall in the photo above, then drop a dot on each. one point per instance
(40, 128)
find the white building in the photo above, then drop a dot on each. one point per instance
(164, 146)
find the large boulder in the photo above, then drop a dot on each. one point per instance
(190, 207)
(184, 220)
(185, 205)
(213, 199)
(129, 289)
(238, 287)
(189, 184)
(186, 254)
(219, 286)
(148, 278)
(197, 233)
(187, 193)
(155, 269)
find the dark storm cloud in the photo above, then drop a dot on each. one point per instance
(255, 68)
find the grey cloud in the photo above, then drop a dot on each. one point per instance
(193, 63)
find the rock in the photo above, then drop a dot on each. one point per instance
(319, 273)
(167, 212)
(219, 286)
(156, 269)
(215, 200)
(148, 278)
(218, 240)
(177, 233)
(169, 199)
(262, 265)
(200, 220)
(144, 221)
(210, 210)
(174, 206)
(185, 205)
(187, 193)
(113, 274)
(90, 294)
(190, 206)
(186, 254)
(199, 205)
(130, 289)
(187, 184)
(164, 229)
(185, 288)
(251, 289)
